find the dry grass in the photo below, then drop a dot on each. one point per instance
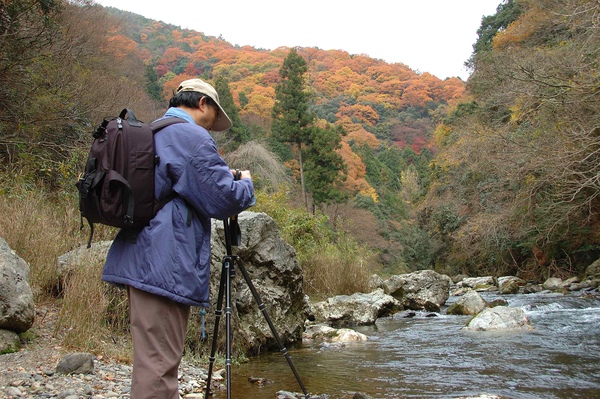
(333, 270)
(267, 170)
(40, 227)
(94, 315)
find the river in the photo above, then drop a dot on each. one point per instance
(430, 356)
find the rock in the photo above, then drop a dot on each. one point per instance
(553, 283)
(321, 332)
(483, 396)
(375, 282)
(510, 284)
(274, 272)
(355, 309)
(9, 342)
(360, 395)
(532, 288)
(470, 303)
(478, 283)
(593, 271)
(17, 310)
(498, 302)
(500, 318)
(82, 256)
(76, 363)
(458, 278)
(424, 289)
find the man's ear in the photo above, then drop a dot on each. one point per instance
(202, 103)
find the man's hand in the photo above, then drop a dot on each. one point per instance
(241, 174)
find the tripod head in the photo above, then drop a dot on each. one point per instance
(233, 234)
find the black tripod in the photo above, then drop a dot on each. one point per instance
(233, 235)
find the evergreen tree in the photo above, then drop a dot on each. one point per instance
(239, 133)
(324, 166)
(292, 120)
(152, 86)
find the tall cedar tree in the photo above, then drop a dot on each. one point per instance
(324, 166)
(238, 133)
(292, 120)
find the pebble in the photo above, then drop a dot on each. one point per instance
(108, 380)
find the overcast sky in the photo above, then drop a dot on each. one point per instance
(434, 36)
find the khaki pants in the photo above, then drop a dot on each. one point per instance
(158, 327)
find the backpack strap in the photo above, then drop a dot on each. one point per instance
(156, 126)
(164, 122)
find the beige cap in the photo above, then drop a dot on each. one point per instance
(223, 122)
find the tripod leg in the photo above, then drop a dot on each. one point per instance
(218, 312)
(263, 309)
(228, 270)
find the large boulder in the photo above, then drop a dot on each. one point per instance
(82, 256)
(355, 309)
(510, 284)
(486, 283)
(17, 309)
(500, 318)
(424, 289)
(470, 303)
(274, 272)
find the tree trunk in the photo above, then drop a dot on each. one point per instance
(301, 164)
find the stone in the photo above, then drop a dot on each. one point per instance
(9, 342)
(424, 289)
(510, 284)
(17, 309)
(82, 256)
(553, 283)
(470, 303)
(500, 318)
(275, 273)
(593, 271)
(355, 309)
(486, 283)
(321, 332)
(76, 363)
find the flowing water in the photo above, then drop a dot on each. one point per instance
(432, 357)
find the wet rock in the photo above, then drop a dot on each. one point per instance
(425, 289)
(510, 284)
(321, 332)
(260, 381)
(532, 288)
(486, 283)
(553, 283)
(500, 318)
(355, 309)
(470, 303)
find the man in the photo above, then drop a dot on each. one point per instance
(166, 266)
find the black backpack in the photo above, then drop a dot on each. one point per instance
(117, 186)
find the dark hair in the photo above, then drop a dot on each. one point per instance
(190, 99)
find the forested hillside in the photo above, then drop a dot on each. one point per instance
(516, 186)
(498, 174)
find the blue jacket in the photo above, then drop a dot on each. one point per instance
(171, 256)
